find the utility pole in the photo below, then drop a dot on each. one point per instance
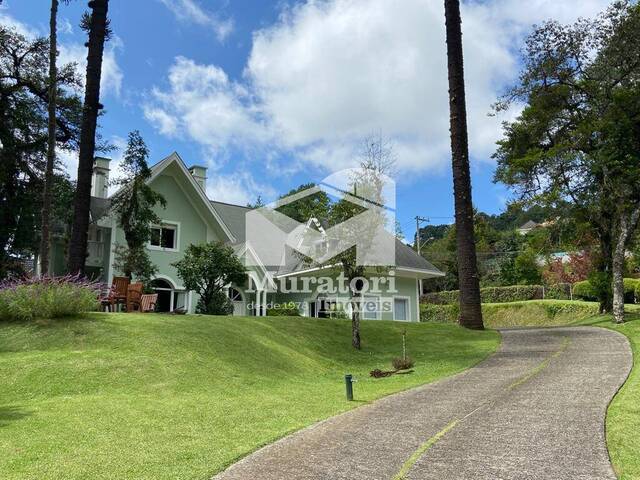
(418, 220)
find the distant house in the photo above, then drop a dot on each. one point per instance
(190, 218)
(527, 227)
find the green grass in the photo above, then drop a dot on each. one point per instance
(529, 313)
(537, 313)
(623, 416)
(181, 397)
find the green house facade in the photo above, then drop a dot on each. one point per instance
(190, 217)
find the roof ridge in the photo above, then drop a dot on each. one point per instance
(231, 204)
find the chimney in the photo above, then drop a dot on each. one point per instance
(100, 179)
(200, 175)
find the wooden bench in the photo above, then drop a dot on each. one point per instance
(148, 302)
(134, 296)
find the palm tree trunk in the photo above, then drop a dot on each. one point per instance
(51, 141)
(97, 34)
(470, 308)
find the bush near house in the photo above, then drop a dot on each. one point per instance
(47, 297)
(283, 310)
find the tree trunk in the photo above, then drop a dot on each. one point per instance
(470, 308)
(625, 227)
(51, 141)
(356, 307)
(97, 33)
(605, 266)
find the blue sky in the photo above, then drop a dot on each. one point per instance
(272, 94)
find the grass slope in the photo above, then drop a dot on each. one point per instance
(537, 313)
(623, 416)
(171, 397)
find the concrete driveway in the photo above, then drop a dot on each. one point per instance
(533, 410)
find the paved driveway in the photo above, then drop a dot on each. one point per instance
(534, 410)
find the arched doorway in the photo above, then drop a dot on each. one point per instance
(164, 290)
(238, 301)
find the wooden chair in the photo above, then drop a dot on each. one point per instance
(118, 294)
(134, 295)
(148, 302)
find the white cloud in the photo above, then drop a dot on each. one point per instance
(204, 104)
(329, 73)
(22, 28)
(190, 11)
(64, 26)
(111, 79)
(239, 189)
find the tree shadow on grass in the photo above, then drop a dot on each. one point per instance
(11, 414)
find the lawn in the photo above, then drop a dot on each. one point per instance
(623, 416)
(181, 397)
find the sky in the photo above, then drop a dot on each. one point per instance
(272, 94)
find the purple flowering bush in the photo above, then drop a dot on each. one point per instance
(48, 297)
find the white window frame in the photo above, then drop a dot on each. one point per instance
(408, 302)
(167, 223)
(378, 313)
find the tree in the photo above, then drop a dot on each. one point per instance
(470, 307)
(316, 205)
(207, 269)
(98, 28)
(133, 205)
(51, 140)
(24, 99)
(368, 182)
(577, 138)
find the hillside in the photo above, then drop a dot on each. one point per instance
(170, 397)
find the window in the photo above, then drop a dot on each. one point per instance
(234, 295)
(164, 236)
(401, 308)
(370, 308)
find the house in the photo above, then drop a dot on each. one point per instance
(190, 218)
(527, 227)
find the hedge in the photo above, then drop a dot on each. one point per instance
(585, 291)
(513, 293)
(526, 313)
(430, 312)
(518, 293)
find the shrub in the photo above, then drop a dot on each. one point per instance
(400, 363)
(630, 285)
(48, 297)
(283, 310)
(587, 291)
(559, 291)
(220, 304)
(430, 312)
(584, 291)
(512, 293)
